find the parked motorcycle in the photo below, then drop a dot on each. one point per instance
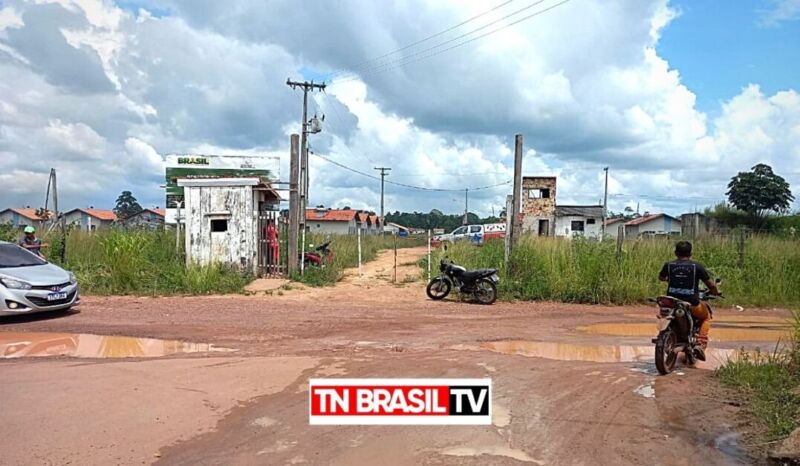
(480, 284)
(319, 256)
(677, 332)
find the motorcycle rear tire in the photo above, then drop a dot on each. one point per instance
(490, 295)
(442, 282)
(666, 357)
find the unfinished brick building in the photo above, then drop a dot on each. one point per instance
(539, 205)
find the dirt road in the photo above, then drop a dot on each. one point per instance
(565, 391)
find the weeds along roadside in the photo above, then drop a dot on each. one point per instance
(138, 262)
(345, 254)
(769, 383)
(587, 271)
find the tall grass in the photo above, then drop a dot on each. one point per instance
(345, 254)
(587, 271)
(141, 263)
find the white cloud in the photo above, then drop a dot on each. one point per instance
(99, 92)
(780, 11)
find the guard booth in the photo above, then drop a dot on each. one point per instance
(234, 221)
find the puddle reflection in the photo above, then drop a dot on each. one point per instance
(764, 332)
(598, 353)
(32, 344)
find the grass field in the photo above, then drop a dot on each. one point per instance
(586, 271)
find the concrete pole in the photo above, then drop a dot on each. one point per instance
(294, 203)
(605, 206)
(516, 221)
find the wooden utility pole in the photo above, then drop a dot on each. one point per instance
(516, 220)
(383, 171)
(294, 203)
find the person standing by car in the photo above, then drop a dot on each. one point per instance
(31, 242)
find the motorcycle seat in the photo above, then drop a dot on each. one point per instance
(475, 274)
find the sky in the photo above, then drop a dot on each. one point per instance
(675, 97)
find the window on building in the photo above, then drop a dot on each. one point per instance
(590, 221)
(543, 193)
(576, 225)
(219, 225)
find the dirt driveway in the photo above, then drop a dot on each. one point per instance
(568, 388)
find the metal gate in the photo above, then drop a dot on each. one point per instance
(272, 242)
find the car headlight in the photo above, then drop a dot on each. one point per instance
(72, 279)
(15, 284)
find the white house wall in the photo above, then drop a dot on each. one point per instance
(563, 226)
(331, 227)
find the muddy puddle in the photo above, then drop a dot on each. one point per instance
(597, 353)
(30, 344)
(720, 331)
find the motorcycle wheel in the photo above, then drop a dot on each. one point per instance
(665, 352)
(438, 288)
(485, 291)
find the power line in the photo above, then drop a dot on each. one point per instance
(404, 61)
(422, 188)
(364, 63)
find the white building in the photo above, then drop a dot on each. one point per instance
(90, 219)
(578, 220)
(332, 221)
(656, 224)
(221, 219)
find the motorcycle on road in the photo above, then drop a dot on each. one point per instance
(481, 284)
(677, 332)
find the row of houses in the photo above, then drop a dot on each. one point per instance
(343, 221)
(543, 216)
(87, 219)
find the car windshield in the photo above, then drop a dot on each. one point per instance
(12, 255)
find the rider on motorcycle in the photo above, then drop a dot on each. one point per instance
(683, 276)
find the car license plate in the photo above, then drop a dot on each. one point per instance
(56, 296)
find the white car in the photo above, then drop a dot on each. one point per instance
(29, 284)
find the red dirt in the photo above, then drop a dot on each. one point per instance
(250, 406)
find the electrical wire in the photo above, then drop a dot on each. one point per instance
(404, 61)
(364, 63)
(421, 188)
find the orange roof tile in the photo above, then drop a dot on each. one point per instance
(102, 214)
(29, 213)
(645, 219)
(331, 215)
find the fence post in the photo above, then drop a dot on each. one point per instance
(429, 255)
(620, 239)
(741, 247)
(395, 259)
(358, 234)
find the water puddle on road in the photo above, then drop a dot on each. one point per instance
(724, 331)
(597, 353)
(32, 344)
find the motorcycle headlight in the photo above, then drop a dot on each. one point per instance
(72, 279)
(14, 284)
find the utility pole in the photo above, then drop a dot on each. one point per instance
(516, 221)
(605, 205)
(383, 171)
(303, 175)
(466, 206)
(294, 203)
